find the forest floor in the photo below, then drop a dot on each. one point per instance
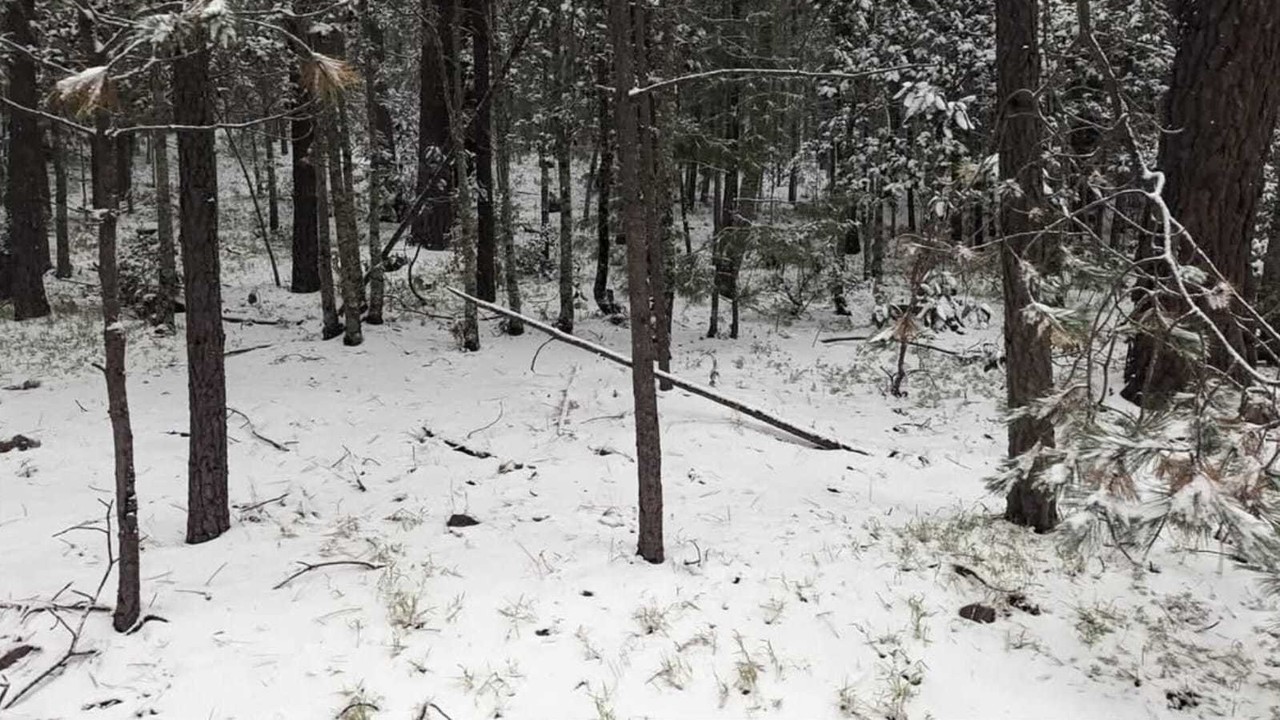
(798, 583)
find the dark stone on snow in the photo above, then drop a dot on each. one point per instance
(459, 520)
(588, 593)
(978, 613)
(542, 632)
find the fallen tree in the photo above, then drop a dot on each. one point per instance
(818, 440)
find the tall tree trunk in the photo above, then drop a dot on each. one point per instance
(27, 232)
(604, 237)
(544, 201)
(431, 228)
(128, 586)
(305, 275)
(725, 240)
(168, 267)
(332, 324)
(482, 129)
(382, 154)
(1029, 370)
(1223, 103)
(124, 168)
(562, 56)
(61, 231)
(344, 221)
(466, 222)
(46, 199)
(648, 439)
(507, 209)
(273, 190)
(208, 512)
(653, 176)
(747, 204)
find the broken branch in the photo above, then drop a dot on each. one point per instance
(816, 439)
(308, 567)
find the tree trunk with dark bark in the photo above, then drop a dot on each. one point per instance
(604, 235)
(273, 189)
(345, 226)
(27, 231)
(61, 230)
(382, 155)
(128, 585)
(482, 136)
(1222, 108)
(1029, 370)
(305, 275)
(511, 273)
(431, 228)
(208, 512)
(332, 324)
(167, 261)
(648, 440)
(563, 57)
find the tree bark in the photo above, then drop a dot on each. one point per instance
(382, 155)
(61, 230)
(344, 217)
(658, 220)
(562, 57)
(1028, 361)
(128, 585)
(648, 438)
(1223, 104)
(332, 324)
(208, 512)
(167, 262)
(305, 274)
(273, 190)
(482, 129)
(27, 231)
(604, 236)
(507, 209)
(431, 228)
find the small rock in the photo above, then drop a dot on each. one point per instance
(542, 632)
(458, 520)
(588, 593)
(979, 613)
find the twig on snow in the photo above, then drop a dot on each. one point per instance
(308, 567)
(242, 351)
(501, 409)
(253, 431)
(255, 506)
(90, 605)
(459, 447)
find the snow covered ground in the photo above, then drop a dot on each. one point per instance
(799, 583)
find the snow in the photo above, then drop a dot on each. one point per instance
(799, 583)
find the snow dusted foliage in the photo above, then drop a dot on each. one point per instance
(1201, 467)
(1198, 468)
(941, 91)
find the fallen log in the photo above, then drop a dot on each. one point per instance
(818, 440)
